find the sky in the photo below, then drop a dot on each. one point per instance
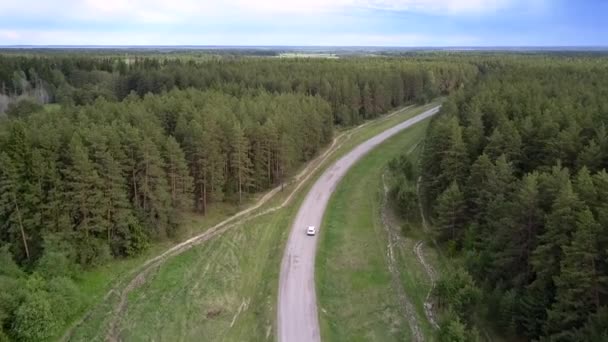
(407, 23)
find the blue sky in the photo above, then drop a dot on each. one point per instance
(305, 22)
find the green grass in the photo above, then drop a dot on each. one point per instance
(95, 284)
(355, 296)
(197, 294)
(51, 107)
(218, 291)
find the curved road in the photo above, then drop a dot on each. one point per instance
(297, 303)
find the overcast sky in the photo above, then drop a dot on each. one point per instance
(305, 22)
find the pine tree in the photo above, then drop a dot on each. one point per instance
(454, 164)
(380, 98)
(117, 209)
(286, 157)
(367, 101)
(551, 184)
(479, 191)
(596, 328)
(591, 156)
(270, 148)
(239, 160)
(531, 312)
(504, 140)
(84, 199)
(180, 181)
(453, 331)
(53, 215)
(569, 143)
(450, 213)
(436, 143)
(520, 240)
(10, 208)
(561, 223)
(216, 158)
(600, 181)
(578, 283)
(584, 187)
(474, 134)
(504, 180)
(154, 195)
(206, 163)
(257, 157)
(397, 90)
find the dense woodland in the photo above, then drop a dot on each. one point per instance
(356, 88)
(515, 178)
(101, 156)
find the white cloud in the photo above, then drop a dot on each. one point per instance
(10, 35)
(67, 37)
(163, 11)
(211, 22)
(441, 6)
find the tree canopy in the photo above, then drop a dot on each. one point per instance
(514, 174)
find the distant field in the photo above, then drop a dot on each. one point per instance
(307, 55)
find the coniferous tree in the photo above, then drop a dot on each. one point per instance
(122, 226)
(450, 213)
(180, 181)
(520, 239)
(585, 189)
(454, 163)
(600, 181)
(558, 231)
(579, 282)
(437, 142)
(84, 199)
(239, 160)
(367, 105)
(596, 327)
(479, 190)
(10, 209)
(505, 140)
(270, 150)
(474, 132)
(154, 196)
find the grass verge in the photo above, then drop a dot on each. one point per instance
(355, 296)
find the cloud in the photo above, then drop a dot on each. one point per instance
(163, 11)
(9, 35)
(440, 6)
(67, 37)
(253, 22)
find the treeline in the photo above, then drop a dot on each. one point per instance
(514, 176)
(112, 175)
(357, 89)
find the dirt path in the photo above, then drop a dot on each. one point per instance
(297, 317)
(394, 238)
(428, 303)
(139, 275)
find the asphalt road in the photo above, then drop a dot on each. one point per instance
(297, 303)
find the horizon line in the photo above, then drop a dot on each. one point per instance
(247, 46)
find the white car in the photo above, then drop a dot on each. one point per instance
(311, 230)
